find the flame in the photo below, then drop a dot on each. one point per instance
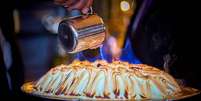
(110, 51)
(128, 53)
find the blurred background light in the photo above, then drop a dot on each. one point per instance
(125, 6)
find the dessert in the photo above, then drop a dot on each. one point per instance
(103, 80)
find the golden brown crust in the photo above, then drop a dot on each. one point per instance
(116, 80)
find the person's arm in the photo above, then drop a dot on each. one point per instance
(82, 5)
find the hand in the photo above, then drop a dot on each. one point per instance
(82, 5)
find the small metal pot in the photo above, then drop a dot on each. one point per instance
(81, 32)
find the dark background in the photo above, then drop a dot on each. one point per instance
(168, 27)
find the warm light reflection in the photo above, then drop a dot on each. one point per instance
(125, 6)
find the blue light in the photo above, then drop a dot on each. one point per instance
(127, 54)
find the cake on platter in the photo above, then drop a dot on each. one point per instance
(105, 81)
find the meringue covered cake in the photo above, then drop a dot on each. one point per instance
(110, 81)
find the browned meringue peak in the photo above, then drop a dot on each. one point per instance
(100, 79)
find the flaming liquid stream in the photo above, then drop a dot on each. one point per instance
(127, 54)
